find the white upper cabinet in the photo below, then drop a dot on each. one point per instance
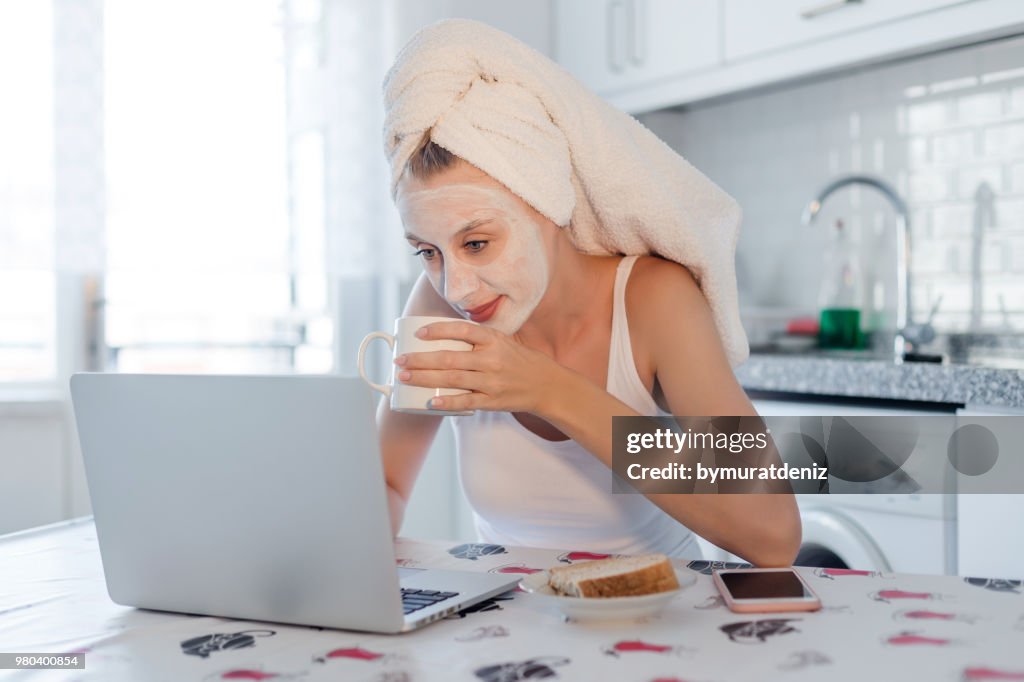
(649, 54)
(756, 26)
(614, 45)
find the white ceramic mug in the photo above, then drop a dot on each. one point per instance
(403, 397)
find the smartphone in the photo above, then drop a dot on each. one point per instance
(765, 590)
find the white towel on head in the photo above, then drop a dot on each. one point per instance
(525, 121)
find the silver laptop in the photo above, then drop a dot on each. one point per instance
(252, 497)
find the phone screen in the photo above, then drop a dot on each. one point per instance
(764, 585)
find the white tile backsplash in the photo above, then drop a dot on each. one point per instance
(936, 127)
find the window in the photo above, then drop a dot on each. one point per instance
(147, 174)
(27, 281)
(205, 272)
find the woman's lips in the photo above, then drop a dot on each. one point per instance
(484, 312)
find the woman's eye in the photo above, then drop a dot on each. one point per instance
(476, 245)
(426, 253)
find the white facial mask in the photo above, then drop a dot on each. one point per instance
(518, 273)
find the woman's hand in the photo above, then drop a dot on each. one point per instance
(503, 374)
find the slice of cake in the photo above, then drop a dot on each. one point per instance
(618, 577)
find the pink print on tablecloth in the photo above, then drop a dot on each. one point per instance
(351, 653)
(522, 569)
(833, 573)
(758, 631)
(638, 646)
(572, 557)
(253, 674)
(927, 615)
(888, 596)
(908, 638)
(984, 674)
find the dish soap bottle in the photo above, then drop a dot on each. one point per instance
(839, 296)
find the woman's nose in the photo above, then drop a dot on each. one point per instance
(460, 282)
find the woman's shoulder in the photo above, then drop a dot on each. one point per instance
(664, 304)
(655, 282)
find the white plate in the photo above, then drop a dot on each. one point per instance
(607, 608)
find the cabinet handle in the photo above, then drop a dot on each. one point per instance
(613, 39)
(827, 7)
(637, 22)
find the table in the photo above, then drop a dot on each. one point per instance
(873, 627)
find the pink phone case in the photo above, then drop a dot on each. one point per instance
(783, 604)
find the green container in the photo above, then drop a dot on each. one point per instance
(840, 328)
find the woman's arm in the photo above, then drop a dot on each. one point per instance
(673, 330)
(405, 438)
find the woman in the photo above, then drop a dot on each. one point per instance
(565, 340)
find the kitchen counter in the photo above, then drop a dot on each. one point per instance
(844, 374)
(874, 626)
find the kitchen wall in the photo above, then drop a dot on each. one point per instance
(937, 127)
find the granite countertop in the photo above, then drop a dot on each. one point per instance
(818, 374)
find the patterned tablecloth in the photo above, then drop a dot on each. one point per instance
(873, 627)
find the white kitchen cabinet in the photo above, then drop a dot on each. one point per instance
(615, 45)
(755, 26)
(700, 49)
(990, 538)
(528, 20)
(33, 467)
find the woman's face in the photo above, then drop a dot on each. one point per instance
(482, 247)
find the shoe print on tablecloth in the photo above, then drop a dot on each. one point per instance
(474, 550)
(481, 633)
(997, 584)
(705, 567)
(539, 668)
(800, 660)
(492, 604)
(715, 601)
(204, 645)
(759, 631)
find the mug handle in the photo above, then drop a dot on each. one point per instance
(385, 389)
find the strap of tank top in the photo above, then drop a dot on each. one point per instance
(620, 326)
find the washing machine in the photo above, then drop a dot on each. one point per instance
(906, 533)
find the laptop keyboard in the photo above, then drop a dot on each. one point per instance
(414, 600)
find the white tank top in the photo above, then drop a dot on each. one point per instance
(529, 491)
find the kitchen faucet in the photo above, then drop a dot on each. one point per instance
(909, 336)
